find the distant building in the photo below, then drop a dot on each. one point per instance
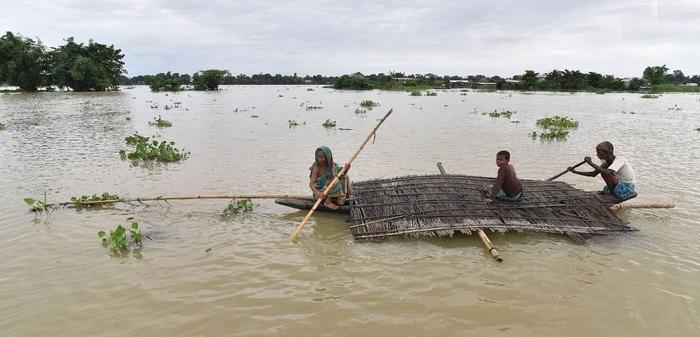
(404, 80)
(513, 81)
(460, 84)
(357, 75)
(690, 84)
(485, 85)
(308, 82)
(626, 81)
(541, 77)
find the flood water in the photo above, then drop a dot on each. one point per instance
(199, 274)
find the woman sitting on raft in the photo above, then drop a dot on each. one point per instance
(323, 170)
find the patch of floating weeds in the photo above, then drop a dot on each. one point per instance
(79, 202)
(146, 149)
(360, 112)
(503, 113)
(649, 96)
(369, 104)
(309, 89)
(2, 127)
(237, 206)
(38, 206)
(119, 240)
(601, 91)
(698, 129)
(431, 93)
(554, 128)
(328, 124)
(311, 107)
(416, 93)
(128, 118)
(293, 123)
(160, 122)
(254, 116)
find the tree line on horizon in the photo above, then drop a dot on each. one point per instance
(28, 64)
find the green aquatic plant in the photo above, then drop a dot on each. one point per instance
(649, 96)
(146, 149)
(38, 206)
(293, 123)
(601, 91)
(503, 113)
(416, 93)
(237, 206)
(431, 93)
(120, 240)
(81, 201)
(328, 124)
(160, 122)
(554, 128)
(369, 104)
(311, 107)
(360, 112)
(557, 122)
(2, 127)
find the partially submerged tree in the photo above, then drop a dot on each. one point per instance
(209, 79)
(22, 62)
(95, 67)
(655, 74)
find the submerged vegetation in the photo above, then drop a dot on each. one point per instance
(369, 104)
(159, 122)
(502, 113)
(82, 201)
(328, 124)
(2, 127)
(554, 128)
(431, 93)
(649, 96)
(146, 149)
(238, 206)
(38, 206)
(416, 93)
(119, 240)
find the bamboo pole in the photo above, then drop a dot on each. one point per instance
(340, 174)
(162, 198)
(485, 239)
(642, 205)
(567, 170)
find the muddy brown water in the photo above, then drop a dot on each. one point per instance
(199, 274)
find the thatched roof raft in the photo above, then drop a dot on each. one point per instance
(439, 205)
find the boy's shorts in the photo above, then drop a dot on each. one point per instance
(503, 196)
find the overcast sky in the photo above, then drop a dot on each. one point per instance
(460, 37)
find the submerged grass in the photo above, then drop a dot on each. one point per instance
(160, 122)
(328, 124)
(146, 149)
(369, 104)
(79, 202)
(554, 128)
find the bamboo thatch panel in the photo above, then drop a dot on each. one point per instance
(442, 205)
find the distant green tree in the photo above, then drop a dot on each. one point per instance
(655, 74)
(677, 77)
(635, 84)
(22, 62)
(528, 79)
(353, 83)
(594, 79)
(210, 79)
(95, 67)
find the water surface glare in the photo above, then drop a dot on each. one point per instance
(199, 274)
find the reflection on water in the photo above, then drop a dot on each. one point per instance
(200, 274)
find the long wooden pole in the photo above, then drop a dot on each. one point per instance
(567, 170)
(340, 174)
(162, 198)
(642, 205)
(485, 239)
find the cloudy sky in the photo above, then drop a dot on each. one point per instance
(326, 37)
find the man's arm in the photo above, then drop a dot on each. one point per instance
(599, 168)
